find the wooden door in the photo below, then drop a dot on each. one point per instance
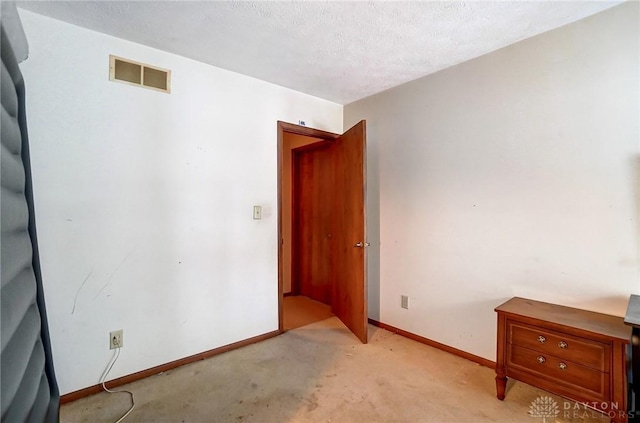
(349, 238)
(328, 254)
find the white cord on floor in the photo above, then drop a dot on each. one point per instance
(113, 360)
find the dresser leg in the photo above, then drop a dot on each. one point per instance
(501, 385)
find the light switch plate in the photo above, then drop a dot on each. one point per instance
(257, 212)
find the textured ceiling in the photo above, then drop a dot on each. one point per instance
(339, 51)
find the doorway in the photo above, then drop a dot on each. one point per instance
(321, 254)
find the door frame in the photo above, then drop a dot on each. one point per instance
(284, 127)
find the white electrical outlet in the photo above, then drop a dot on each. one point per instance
(404, 301)
(116, 340)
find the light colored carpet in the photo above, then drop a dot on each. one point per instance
(321, 373)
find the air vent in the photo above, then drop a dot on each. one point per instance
(135, 73)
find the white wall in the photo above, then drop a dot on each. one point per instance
(144, 201)
(514, 174)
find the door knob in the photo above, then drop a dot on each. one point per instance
(361, 244)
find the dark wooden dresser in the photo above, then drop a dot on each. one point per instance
(577, 354)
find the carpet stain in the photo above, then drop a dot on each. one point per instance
(313, 402)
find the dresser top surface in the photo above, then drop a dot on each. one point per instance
(590, 321)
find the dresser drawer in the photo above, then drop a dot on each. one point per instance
(588, 353)
(564, 371)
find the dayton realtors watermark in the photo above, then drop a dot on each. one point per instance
(547, 408)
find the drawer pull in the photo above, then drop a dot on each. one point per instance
(563, 345)
(562, 366)
(541, 339)
(542, 360)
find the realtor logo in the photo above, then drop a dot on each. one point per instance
(544, 407)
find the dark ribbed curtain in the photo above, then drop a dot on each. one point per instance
(28, 391)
